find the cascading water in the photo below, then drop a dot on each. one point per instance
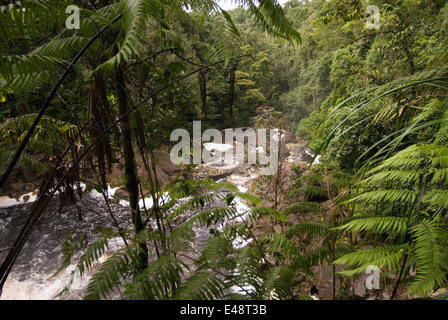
(32, 275)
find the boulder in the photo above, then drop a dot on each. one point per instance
(163, 179)
(289, 137)
(122, 193)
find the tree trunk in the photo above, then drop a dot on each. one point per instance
(129, 158)
(203, 91)
(233, 67)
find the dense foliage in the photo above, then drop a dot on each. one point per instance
(372, 102)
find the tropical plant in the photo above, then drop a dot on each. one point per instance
(321, 192)
(407, 196)
(231, 263)
(126, 29)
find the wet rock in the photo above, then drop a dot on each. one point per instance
(243, 168)
(289, 137)
(162, 178)
(18, 186)
(272, 260)
(163, 160)
(122, 193)
(219, 174)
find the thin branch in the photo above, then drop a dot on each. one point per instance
(172, 50)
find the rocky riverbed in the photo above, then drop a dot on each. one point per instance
(33, 274)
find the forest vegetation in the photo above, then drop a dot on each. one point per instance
(88, 107)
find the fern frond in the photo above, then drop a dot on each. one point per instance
(248, 267)
(302, 207)
(182, 239)
(313, 178)
(259, 212)
(342, 249)
(216, 252)
(442, 133)
(281, 281)
(401, 176)
(196, 202)
(313, 229)
(277, 243)
(387, 196)
(253, 200)
(438, 175)
(310, 191)
(212, 216)
(202, 285)
(436, 198)
(135, 14)
(379, 256)
(31, 18)
(393, 225)
(155, 279)
(269, 14)
(318, 255)
(68, 248)
(92, 254)
(212, 185)
(431, 256)
(111, 274)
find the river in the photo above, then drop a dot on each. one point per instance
(32, 277)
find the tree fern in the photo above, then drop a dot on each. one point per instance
(202, 285)
(380, 256)
(280, 281)
(216, 252)
(431, 254)
(31, 18)
(111, 274)
(392, 225)
(257, 213)
(155, 281)
(313, 229)
(414, 206)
